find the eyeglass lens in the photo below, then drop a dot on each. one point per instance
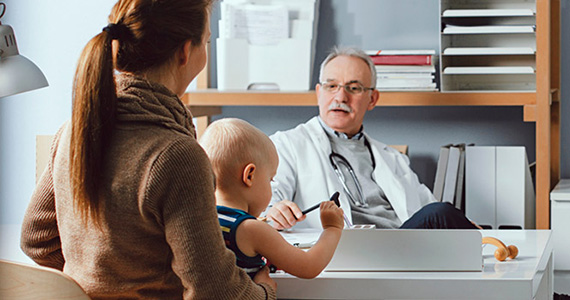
(352, 88)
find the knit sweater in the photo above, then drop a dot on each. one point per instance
(160, 236)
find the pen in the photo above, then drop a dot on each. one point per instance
(334, 198)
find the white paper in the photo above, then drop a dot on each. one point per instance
(258, 24)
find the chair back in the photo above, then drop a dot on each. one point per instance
(28, 282)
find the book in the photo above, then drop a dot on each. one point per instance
(415, 82)
(408, 89)
(399, 52)
(404, 69)
(424, 60)
(440, 171)
(405, 76)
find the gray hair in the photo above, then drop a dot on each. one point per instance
(349, 51)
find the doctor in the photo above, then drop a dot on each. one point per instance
(331, 152)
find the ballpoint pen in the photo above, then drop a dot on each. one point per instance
(334, 198)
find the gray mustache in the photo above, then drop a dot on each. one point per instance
(341, 106)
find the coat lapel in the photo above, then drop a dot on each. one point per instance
(386, 177)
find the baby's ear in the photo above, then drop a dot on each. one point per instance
(248, 173)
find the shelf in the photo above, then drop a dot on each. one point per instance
(488, 70)
(488, 13)
(212, 97)
(489, 51)
(450, 29)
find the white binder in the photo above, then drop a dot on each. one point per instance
(499, 188)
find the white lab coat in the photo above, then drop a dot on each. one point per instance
(306, 176)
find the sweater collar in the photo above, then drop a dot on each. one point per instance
(140, 100)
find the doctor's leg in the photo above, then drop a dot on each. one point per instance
(438, 215)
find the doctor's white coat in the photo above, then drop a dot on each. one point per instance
(306, 177)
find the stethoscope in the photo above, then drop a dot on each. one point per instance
(338, 160)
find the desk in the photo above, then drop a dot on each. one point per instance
(529, 276)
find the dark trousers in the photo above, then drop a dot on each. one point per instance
(438, 215)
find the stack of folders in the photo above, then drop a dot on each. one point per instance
(449, 184)
(404, 70)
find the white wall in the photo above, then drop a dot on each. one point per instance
(51, 34)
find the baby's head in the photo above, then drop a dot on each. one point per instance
(242, 156)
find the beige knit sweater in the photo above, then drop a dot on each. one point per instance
(160, 237)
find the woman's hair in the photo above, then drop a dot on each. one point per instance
(231, 144)
(354, 52)
(142, 35)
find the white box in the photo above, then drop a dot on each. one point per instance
(286, 64)
(498, 187)
(266, 44)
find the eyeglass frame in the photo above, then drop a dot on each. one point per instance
(346, 87)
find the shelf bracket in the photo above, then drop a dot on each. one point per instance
(529, 113)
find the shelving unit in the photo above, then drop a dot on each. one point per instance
(541, 103)
(488, 45)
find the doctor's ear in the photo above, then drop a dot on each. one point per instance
(374, 96)
(248, 173)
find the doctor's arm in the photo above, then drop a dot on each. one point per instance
(284, 214)
(282, 211)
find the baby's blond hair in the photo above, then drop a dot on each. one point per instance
(231, 144)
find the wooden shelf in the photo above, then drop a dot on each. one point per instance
(212, 97)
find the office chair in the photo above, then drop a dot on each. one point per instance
(29, 282)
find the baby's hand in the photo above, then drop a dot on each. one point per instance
(331, 215)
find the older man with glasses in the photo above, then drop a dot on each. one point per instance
(331, 152)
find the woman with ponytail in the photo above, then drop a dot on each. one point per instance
(126, 204)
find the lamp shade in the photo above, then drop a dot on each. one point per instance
(17, 73)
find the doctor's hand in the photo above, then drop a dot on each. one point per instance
(331, 215)
(284, 214)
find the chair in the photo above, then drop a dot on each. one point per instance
(402, 148)
(23, 281)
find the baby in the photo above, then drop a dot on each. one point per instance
(244, 161)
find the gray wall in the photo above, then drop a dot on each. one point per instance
(409, 24)
(52, 34)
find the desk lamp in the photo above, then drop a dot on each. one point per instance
(17, 73)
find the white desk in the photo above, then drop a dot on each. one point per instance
(529, 276)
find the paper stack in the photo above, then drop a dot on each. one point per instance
(404, 70)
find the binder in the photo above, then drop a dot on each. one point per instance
(460, 185)
(480, 185)
(451, 175)
(515, 193)
(499, 188)
(440, 172)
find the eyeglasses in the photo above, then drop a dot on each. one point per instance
(348, 179)
(354, 88)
